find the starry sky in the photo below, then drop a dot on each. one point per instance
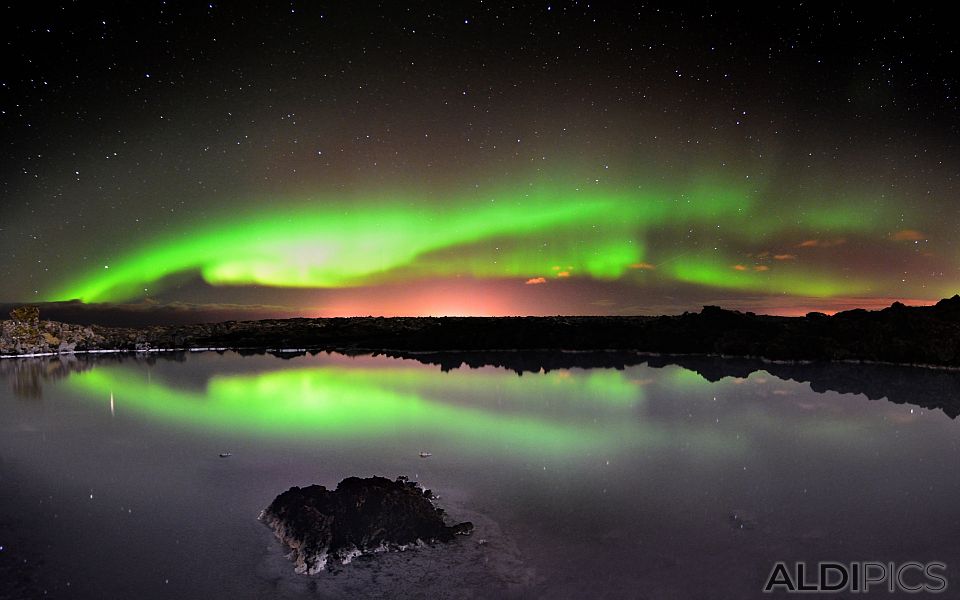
(477, 158)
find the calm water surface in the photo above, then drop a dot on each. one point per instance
(583, 482)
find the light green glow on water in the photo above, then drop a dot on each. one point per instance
(559, 413)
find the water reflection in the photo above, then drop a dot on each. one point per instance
(674, 476)
(340, 399)
(921, 387)
(924, 388)
(27, 376)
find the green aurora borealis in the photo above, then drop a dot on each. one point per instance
(230, 161)
(547, 233)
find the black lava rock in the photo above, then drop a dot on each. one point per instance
(326, 528)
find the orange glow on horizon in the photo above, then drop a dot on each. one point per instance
(460, 299)
(512, 297)
(481, 305)
(907, 235)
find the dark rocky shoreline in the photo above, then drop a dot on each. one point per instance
(926, 335)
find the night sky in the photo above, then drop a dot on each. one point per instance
(478, 158)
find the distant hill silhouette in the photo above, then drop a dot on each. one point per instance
(924, 335)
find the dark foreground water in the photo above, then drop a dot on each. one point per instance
(636, 483)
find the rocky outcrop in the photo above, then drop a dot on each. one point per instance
(46, 337)
(22, 331)
(325, 529)
(25, 333)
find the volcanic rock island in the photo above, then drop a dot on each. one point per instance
(325, 529)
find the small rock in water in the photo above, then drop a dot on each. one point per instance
(742, 519)
(325, 529)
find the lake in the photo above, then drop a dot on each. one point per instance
(645, 481)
